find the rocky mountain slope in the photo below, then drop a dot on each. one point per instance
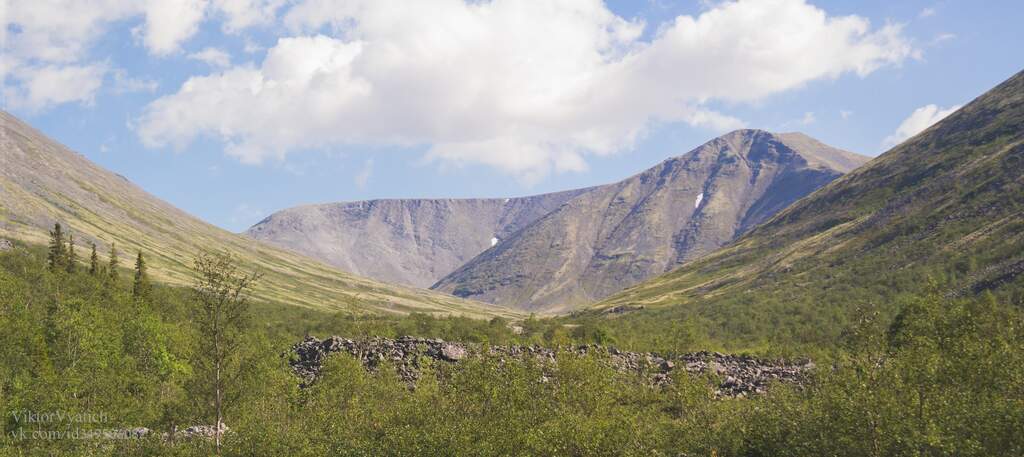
(616, 235)
(42, 182)
(942, 212)
(413, 242)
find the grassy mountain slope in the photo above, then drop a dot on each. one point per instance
(947, 204)
(619, 234)
(42, 182)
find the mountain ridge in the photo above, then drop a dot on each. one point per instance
(622, 233)
(936, 206)
(42, 182)
(407, 241)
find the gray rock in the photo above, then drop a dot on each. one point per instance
(741, 375)
(617, 235)
(453, 352)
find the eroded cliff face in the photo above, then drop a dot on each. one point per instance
(620, 234)
(412, 241)
(557, 251)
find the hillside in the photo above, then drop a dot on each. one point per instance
(946, 205)
(619, 234)
(405, 241)
(42, 182)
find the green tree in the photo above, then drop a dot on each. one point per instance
(72, 260)
(113, 263)
(58, 254)
(94, 261)
(140, 286)
(222, 295)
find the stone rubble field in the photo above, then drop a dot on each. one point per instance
(737, 375)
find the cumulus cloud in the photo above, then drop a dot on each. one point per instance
(64, 30)
(51, 40)
(124, 84)
(918, 121)
(47, 85)
(527, 86)
(213, 57)
(169, 23)
(242, 14)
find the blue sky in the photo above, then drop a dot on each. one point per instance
(232, 109)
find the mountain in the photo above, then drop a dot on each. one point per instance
(944, 211)
(413, 242)
(617, 235)
(42, 182)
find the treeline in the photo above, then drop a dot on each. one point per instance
(63, 256)
(943, 376)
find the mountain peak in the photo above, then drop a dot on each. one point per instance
(761, 145)
(619, 234)
(932, 207)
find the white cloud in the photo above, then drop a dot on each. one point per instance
(124, 84)
(48, 85)
(241, 14)
(45, 45)
(64, 30)
(59, 30)
(927, 12)
(169, 23)
(808, 118)
(363, 177)
(942, 38)
(527, 86)
(918, 121)
(845, 114)
(213, 57)
(251, 47)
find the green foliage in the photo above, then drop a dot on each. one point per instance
(72, 261)
(140, 285)
(222, 298)
(940, 376)
(94, 261)
(57, 257)
(113, 263)
(945, 206)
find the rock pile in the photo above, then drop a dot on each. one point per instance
(739, 375)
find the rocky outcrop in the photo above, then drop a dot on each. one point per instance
(739, 375)
(558, 251)
(404, 241)
(620, 234)
(187, 433)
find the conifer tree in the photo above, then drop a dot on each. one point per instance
(57, 255)
(140, 287)
(72, 260)
(94, 262)
(112, 265)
